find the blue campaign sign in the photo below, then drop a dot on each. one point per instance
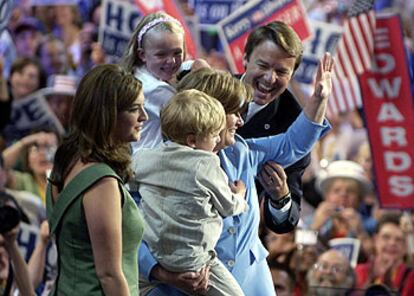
(28, 114)
(324, 39)
(234, 29)
(118, 21)
(348, 246)
(5, 12)
(211, 12)
(250, 16)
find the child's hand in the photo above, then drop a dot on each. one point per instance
(238, 187)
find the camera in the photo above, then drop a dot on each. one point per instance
(9, 215)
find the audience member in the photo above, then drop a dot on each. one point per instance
(27, 36)
(53, 56)
(26, 76)
(91, 50)
(69, 23)
(45, 13)
(331, 275)
(5, 99)
(283, 279)
(37, 260)
(59, 96)
(343, 185)
(13, 269)
(387, 264)
(36, 151)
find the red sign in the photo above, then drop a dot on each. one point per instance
(389, 110)
(235, 28)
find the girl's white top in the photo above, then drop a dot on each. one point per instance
(156, 93)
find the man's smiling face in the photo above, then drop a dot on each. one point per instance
(268, 70)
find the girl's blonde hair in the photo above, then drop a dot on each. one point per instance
(130, 60)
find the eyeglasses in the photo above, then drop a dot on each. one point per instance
(326, 267)
(49, 151)
(47, 148)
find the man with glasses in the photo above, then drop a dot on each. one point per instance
(331, 275)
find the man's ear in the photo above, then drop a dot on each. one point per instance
(141, 54)
(191, 141)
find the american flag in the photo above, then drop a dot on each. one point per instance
(353, 56)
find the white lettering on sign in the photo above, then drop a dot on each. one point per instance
(401, 185)
(383, 63)
(390, 119)
(238, 28)
(389, 112)
(397, 161)
(391, 89)
(397, 135)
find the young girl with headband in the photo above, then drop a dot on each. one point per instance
(154, 54)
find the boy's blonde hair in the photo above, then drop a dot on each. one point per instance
(233, 94)
(130, 59)
(191, 112)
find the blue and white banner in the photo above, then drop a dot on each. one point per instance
(118, 21)
(324, 38)
(210, 12)
(28, 114)
(348, 246)
(6, 7)
(27, 239)
(235, 28)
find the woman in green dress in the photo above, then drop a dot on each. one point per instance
(96, 223)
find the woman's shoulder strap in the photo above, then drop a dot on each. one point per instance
(80, 183)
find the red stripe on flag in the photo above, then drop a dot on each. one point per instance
(353, 57)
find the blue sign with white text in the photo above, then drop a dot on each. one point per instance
(211, 12)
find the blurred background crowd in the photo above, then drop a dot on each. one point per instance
(49, 45)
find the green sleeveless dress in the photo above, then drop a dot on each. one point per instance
(76, 268)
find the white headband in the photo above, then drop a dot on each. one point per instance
(152, 24)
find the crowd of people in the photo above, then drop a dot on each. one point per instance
(160, 179)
